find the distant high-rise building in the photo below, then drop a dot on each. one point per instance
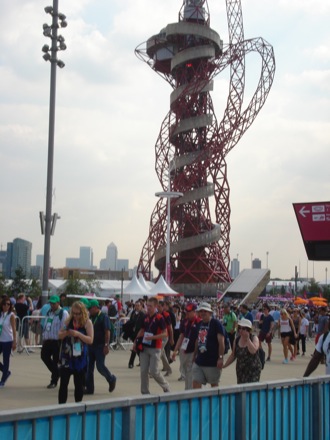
(104, 264)
(85, 257)
(3, 256)
(40, 260)
(256, 263)
(20, 256)
(111, 256)
(122, 264)
(72, 263)
(234, 268)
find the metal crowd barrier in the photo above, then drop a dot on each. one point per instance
(283, 410)
(120, 342)
(31, 324)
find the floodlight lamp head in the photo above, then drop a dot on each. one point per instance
(47, 30)
(49, 10)
(61, 16)
(45, 48)
(46, 57)
(64, 23)
(60, 64)
(60, 39)
(62, 46)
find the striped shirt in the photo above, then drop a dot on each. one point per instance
(53, 324)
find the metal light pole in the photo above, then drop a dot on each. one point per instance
(267, 253)
(169, 195)
(48, 221)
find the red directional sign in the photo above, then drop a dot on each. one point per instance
(314, 223)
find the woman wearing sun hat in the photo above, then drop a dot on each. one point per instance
(245, 351)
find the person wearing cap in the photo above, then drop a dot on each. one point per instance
(209, 349)
(185, 345)
(50, 350)
(99, 348)
(245, 351)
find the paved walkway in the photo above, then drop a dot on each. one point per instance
(26, 387)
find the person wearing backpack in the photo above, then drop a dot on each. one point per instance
(99, 349)
(246, 353)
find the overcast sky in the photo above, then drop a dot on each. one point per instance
(109, 110)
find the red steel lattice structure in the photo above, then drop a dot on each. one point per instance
(192, 145)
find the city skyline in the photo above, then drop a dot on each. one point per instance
(109, 109)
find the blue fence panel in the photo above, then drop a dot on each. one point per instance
(286, 410)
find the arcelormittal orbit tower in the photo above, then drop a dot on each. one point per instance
(192, 145)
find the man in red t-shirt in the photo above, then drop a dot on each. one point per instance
(152, 332)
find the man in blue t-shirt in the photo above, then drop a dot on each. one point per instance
(245, 313)
(209, 349)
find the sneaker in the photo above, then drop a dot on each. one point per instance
(303, 354)
(130, 365)
(292, 358)
(52, 385)
(286, 361)
(268, 359)
(2, 384)
(30, 350)
(112, 385)
(168, 373)
(167, 390)
(181, 378)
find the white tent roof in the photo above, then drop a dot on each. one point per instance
(162, 288)
(147, 285)
(135, 288)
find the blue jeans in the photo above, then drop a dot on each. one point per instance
(5, 349)
(96, 356)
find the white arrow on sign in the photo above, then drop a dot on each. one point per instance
(304, 211)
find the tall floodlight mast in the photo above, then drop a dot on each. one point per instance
(192, 145)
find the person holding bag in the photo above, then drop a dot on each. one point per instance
(76, 334)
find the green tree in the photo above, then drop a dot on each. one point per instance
(19, 283)
(73, 286)
(3, 287)
(35, 289)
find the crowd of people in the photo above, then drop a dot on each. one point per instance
(197, 332)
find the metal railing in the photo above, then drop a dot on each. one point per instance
(283, 410)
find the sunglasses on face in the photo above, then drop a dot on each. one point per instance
(243, 328)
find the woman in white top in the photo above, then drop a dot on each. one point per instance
(287, 331)
(7, 337)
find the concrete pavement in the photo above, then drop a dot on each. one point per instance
(26, 387)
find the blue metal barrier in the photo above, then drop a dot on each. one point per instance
(283, 410)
